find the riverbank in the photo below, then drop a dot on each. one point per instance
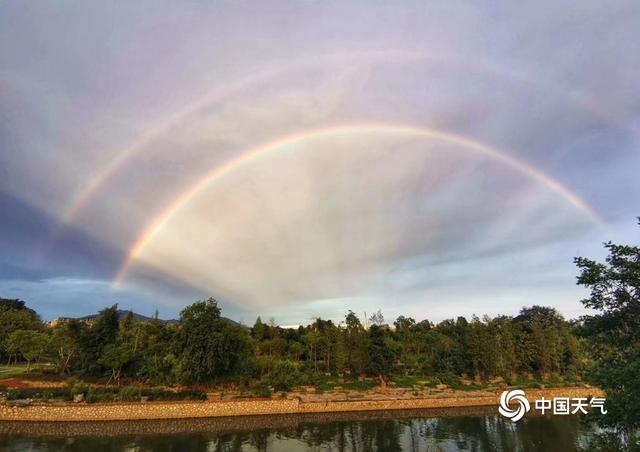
(81, 412)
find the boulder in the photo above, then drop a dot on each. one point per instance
(20, 403)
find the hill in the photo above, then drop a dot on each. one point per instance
(143, 318)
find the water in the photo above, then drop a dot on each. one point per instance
(417, 431)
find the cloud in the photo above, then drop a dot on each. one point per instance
(169, 96)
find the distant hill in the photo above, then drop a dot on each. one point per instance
(143, 318)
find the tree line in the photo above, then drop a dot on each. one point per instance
(203, 347)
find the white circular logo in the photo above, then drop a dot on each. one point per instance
(517, 395)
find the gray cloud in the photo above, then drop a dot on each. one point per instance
(172, 91)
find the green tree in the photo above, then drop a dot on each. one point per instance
(407, 334)
(95, 338)
(381, 356)
(207, 346)
(356, 344)
(115, 357)
(258, 330)
(64, 346)
(284, 375)
(542, 344)
(30, 344)
(154, 357)
(614, 332)
(15, 315)
(296, 349)
(502, 328)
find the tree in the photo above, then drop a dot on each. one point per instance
(296, 349)
(614, 333)
(115, 357)
(30, 344)
(502, 326)
(541, 331)
(94, 339)
(65, 347)
(154, 360)
(312, 339)
(356, 344)
(207, 346)
(284, 375)
(258, 330)
(377, 318)
(407, 334)
(15, 315)
(381, 355)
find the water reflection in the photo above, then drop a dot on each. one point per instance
(397, 431)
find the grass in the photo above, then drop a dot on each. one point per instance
(357, 385)
(471, 387)
(525, 383)
(407, 381)
(110, 394)
(328, 384)
(13, 370)
(324, 386)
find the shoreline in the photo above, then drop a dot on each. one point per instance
(137, 411)
(226, 424)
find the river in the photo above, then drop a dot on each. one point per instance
(421, 430)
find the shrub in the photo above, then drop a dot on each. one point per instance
(129, 394)
(262, 389)
(98, 396)
(448, 379)
(78, 388)
(38, 393)
(284, 375)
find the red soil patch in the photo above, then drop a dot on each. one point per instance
(12, 383)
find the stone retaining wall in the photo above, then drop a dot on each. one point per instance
(182, 410)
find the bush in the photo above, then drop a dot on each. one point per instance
(284, 375)
(103, 395)
(448, 379)
(75, 387)
(129, 394)
(97, 396)
(262, 389)
(78, 388)
(39, 394)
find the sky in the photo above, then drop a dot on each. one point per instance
(300, 159)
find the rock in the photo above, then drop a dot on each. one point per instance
(20, 403)
(441, 386)
(78, 398)
(144, 399)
